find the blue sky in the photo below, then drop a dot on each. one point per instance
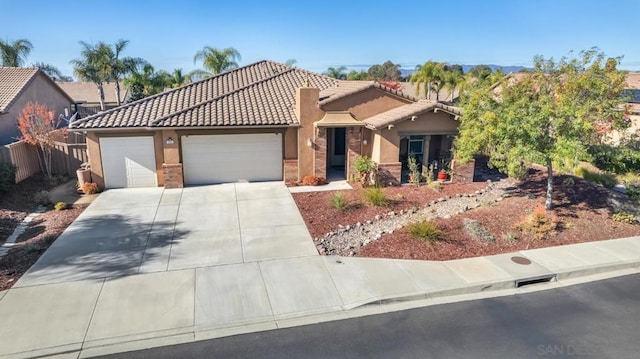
(319, 34)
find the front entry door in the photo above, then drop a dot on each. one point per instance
(337, 146)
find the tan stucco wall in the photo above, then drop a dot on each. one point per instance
(366, 103)
(386, 148)
(291, 143)
(631, 133)
(40, 90)
(308, 112)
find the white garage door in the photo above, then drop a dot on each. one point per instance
(128, 162)
(210, 159)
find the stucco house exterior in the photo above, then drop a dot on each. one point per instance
(21, 85)
(264, 121)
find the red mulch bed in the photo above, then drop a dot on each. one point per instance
(321, 218)
(581, 214)
(15, 205)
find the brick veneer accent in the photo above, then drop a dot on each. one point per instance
(320, 154)
(464, 172)
(173, 177)
(290, 171)
(389, 174)
(353, 149)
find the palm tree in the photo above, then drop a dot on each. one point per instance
(94, 66)
(14, 54)
(336, 72)
(428, 76)
(52, 72)
(178, 79)
(217, 61)
(453, 80)
(120, 67)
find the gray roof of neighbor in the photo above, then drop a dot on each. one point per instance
(13, 80)
(260, 94)
(406, 111)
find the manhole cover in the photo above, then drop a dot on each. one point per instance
(520, 260)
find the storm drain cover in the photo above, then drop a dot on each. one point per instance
(520, 260)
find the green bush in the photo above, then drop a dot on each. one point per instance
(7, 176)
(414, 171)
(60, 206)
(425, 230)
(366, 168)
(606, 179)
(375, 197)
(338, 201)
(625, 217)
(615, 159)
(633, 193)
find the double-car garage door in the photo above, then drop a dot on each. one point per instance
(206, 159)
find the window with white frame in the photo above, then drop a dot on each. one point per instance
(416, 145)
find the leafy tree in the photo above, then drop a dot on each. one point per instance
(481, 71)
(354, 75)
(14, 54)
(550, 116)
(291, 62)
(94, 66)
(37, 124)
(52, 72)
(145, 81)
(336, 72)
(388, 71)
(217, 61)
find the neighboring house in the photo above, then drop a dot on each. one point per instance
(262, 122)
(633, 89)
(21, 85)
(87, 99)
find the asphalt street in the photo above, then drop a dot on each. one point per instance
(594, 320)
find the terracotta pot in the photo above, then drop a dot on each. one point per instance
(442, 175)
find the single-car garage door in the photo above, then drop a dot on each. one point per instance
(128, 162)
(210, 159)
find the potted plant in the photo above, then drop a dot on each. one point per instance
(442, 175)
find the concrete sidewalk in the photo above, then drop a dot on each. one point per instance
(92, 317)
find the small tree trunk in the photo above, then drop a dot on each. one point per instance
(101, 97)
(118, 92)
(548, 202)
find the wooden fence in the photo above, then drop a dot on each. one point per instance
(69, 152)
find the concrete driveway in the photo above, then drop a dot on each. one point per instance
(133, 231)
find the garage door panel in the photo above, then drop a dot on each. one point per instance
(231, 158)
(128, 162)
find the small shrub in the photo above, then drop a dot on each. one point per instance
(540, 223)
(60, 206)
(375, 197)
(90, 188)
(510, 237)
(425, 230)
(366, 168)
(428, 173)
(338, 201)
(435, 185)
(617, 159)
(625, 217)
(313, 181)
(476, 231)
(7, 176)
(414, 171)
(594, 175)
(42, 198)
(630, 179)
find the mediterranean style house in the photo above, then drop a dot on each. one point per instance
(264, 122)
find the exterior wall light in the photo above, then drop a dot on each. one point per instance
(309, 143)
(169, 141)
(364, 141)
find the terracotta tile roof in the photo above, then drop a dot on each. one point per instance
(347, 88)
(88, 91)
(260, 94)
(406, 111)
(633, 80)
(13, 80)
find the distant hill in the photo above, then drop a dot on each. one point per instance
(466, 68)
